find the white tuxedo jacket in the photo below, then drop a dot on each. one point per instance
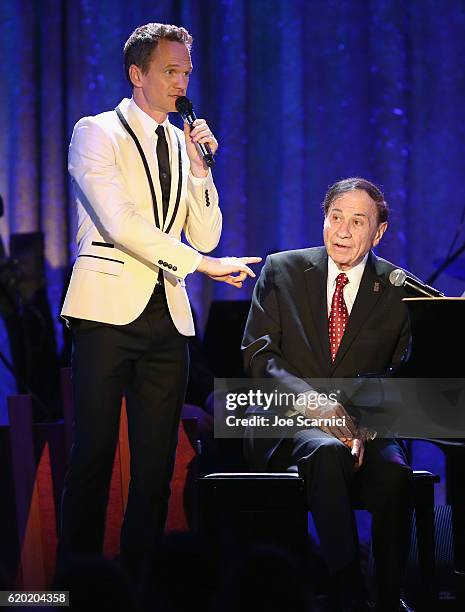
(120, 249)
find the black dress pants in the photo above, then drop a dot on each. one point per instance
(383, 485)
(148, 361)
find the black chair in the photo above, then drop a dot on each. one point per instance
(239, 508)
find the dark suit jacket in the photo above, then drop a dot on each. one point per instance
(286, 335)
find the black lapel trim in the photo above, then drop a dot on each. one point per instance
(315, 279)
(108, 245)
(105, 258)
(371, 289)
(178, 195)
(129, 130)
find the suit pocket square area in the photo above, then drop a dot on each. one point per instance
(104, 265)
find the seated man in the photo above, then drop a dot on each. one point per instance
(330, 312)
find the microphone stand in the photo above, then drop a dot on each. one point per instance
(452, 257)
(12, 296)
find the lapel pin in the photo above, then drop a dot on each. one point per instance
(376, 287)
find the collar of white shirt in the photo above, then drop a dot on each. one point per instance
(350, 290)
(148, 124)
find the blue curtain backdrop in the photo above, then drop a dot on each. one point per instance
(299, 93)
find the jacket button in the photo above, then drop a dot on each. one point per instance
(160, 261)
(165, 264)
(175, 268)
(170, 266)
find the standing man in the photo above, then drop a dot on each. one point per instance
(330, 312)
(139, 182)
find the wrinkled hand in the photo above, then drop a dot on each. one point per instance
(200, 133)
(341, 432)
(230, 270)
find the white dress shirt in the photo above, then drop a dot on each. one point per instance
(149, 125)
(351, 289)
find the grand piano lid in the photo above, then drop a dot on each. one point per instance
(433, 299)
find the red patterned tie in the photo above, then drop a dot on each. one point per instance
(338, 316)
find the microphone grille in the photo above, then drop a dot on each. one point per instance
(397, 277)
(183, 105)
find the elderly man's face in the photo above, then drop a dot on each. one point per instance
(351, 228)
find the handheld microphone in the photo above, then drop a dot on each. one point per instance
(186, 110)
(399, 278)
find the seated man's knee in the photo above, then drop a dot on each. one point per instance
(329, 451)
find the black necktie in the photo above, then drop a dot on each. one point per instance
(164, 171)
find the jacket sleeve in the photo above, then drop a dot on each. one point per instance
(100, 187)
(261, 345)
(204, 220)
